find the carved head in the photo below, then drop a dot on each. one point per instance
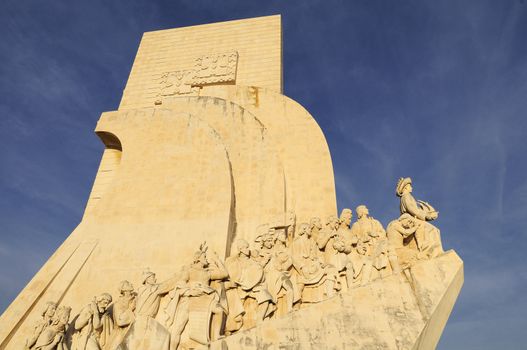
(103, 301)
(243, 247)
(149, 277)
(332, 222)
(362, 211)
(315, 223)
(268, 241)
(49, 309)
(345, 216)
(62, 316)
(304, 230)
(126, 288)
(362, 248)
(339, 244)
(404, 185)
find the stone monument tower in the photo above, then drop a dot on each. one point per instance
(208, 180)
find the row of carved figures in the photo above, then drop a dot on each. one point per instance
(211, 298)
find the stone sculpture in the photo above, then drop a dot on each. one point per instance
(344, 228)
(280, 281)
(208, 298)
(47, 316)
(362, 264)
(265, 243)
(147, 333)
(194, 301)
(401, 235)
(332, 241)
(52, 337)
(246, 281)
(371, 233)
(367, 229)
(417, 208)
(428, 237)
(123, 316)
(315, 225)
(92, 325)
(316, 280)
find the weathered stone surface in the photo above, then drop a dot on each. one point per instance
(301, 145)
(392, 313)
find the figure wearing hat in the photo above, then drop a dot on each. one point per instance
(418, 209)
(427, 236)
(150, 293)
(122, 314)
(145, 332)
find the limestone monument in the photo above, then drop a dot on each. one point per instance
(212, 222)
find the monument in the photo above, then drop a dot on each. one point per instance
(212, 222)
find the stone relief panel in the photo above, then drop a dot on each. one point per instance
(214, 68)
(176, 83)
(288, 267)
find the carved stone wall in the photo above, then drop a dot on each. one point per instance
(258, 42)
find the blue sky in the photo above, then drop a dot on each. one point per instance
(435, 90)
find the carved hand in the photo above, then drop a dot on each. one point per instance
(93, 306)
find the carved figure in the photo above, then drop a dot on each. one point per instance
(146, 333)
(367, 229)
(122, 314)
(247, 280)
(194, 301)
(371, 233)
(91, 323)
(428, 236)
(47, 315)
(417, 208)
(278, 273)
(315, 225)
(336, 248)
(52, 337)
(252, 284)
(265, 242)
(401, 236)
(362, 264)
(381, 259)
(150, 293)
(316, 280)
(344, 228)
